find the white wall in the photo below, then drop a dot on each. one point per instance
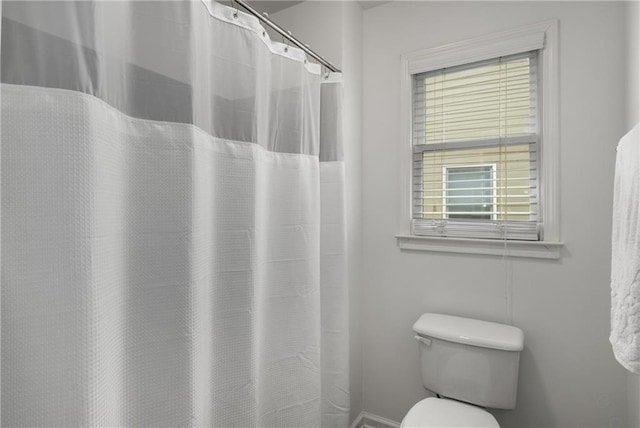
(316, 23)
(352, 62)
(633, 70)
(568, 375)
(334, 30)
(633, 117)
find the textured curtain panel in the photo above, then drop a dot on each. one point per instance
(173, 237)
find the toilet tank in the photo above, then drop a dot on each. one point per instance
(470, 360)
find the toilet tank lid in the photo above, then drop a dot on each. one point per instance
(470, 332)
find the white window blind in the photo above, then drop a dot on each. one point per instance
(475, 150)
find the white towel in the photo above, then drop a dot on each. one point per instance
(625, 254)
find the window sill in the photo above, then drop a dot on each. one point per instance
(494, 247)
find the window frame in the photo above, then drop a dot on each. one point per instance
(542, 36)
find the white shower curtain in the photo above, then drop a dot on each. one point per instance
(173, 237)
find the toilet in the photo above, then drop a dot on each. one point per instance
(471, 365)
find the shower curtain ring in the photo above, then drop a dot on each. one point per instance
(305, 57)
(325, 69)
(286, 49)
(235, 4)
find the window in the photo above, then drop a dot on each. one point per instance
(480, 145)
(469, 192)
(464, 118)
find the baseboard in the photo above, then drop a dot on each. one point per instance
(369, 420)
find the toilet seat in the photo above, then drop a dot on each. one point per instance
(441, 412)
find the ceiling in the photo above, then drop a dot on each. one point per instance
(273, 6)
(268, 6)
(368, 4)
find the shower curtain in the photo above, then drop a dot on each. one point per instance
(173, 236)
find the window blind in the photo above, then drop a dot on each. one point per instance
(475, 150)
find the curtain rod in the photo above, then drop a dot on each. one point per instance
(286, 34)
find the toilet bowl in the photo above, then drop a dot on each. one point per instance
(471, 362)
(441, 412)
